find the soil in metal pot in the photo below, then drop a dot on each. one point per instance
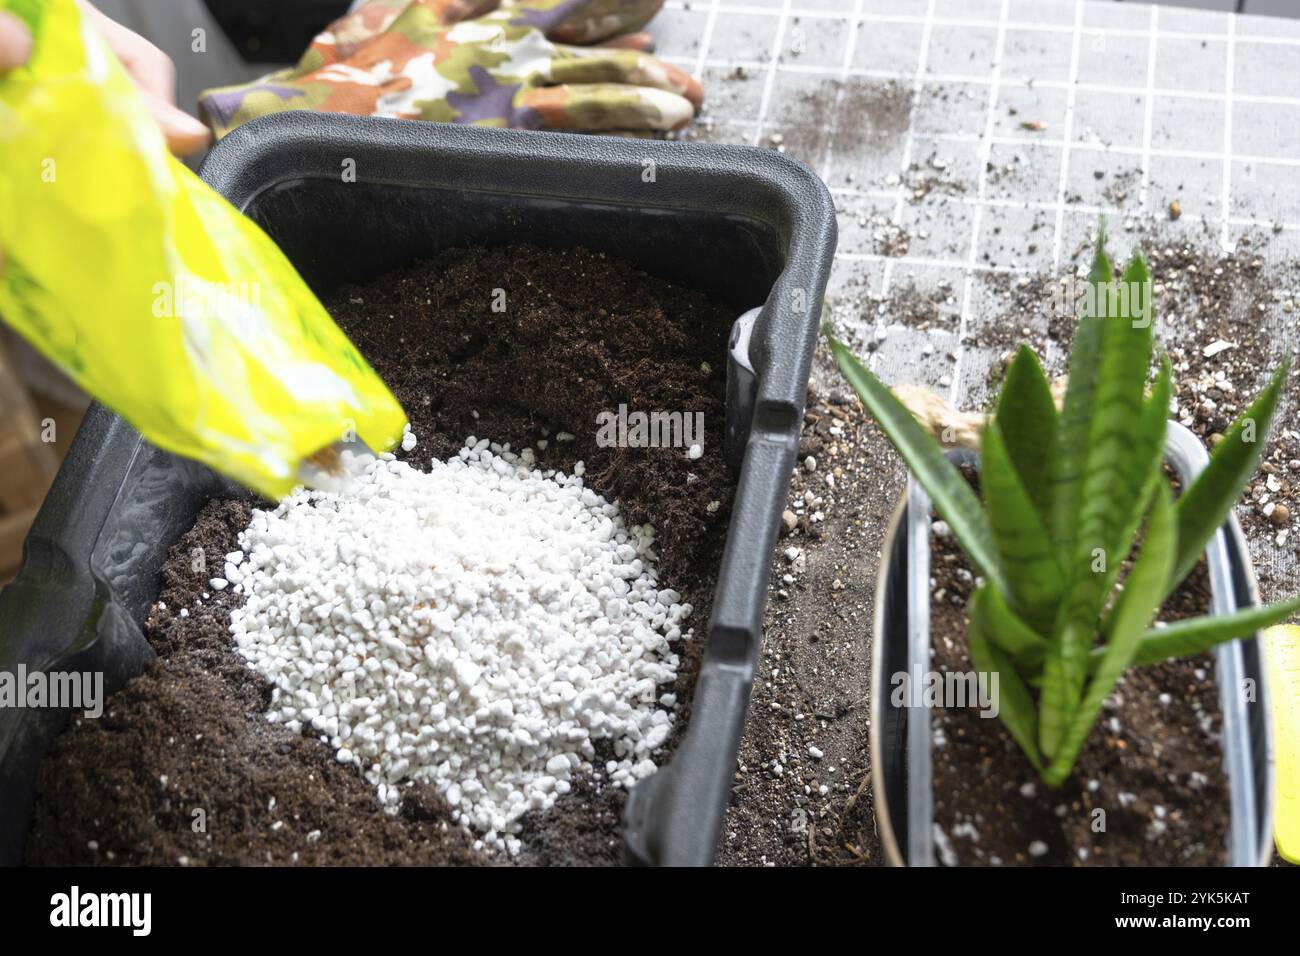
(1148, 789)
(183, 768)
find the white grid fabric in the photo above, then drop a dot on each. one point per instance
(1203, 107)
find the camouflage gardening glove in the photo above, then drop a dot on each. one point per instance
(418, 59)
(611, 22)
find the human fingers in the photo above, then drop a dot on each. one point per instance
(151, 68)
(184, 134)
(15, 42)
(155, 75)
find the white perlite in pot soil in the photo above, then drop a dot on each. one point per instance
(475, 627)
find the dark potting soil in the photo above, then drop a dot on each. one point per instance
(1153, 763)
(183, 767)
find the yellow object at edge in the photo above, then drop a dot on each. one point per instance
(1282, 660)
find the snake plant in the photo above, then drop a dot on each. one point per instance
(1068, 497)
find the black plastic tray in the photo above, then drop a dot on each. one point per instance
(748, 227)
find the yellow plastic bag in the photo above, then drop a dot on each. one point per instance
(149, 289)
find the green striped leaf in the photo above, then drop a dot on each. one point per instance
(1116, 474)
(1014, 702)
(1059, 691)
(1025, 645)
(1028, 418)
(1199, 634)
(1069, 455)
(1204, 506)
(1137, 604)
(1024, 548)
(950, 492)
(1146, 465)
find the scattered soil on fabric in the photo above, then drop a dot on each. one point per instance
(580, 333)
(1225, 321)
(1153, 762)
(806, 132)
(1116, 189)
(923, 309)
(1026, 316)
(933, 174)
(882, 108)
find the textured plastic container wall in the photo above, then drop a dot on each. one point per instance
(748, 227)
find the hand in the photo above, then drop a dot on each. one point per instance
(148, 66)
(15, 42)
(501, 68)
(155, 75)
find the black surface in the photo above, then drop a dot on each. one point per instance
(274, 31)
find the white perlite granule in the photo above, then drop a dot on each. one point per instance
(475, 627)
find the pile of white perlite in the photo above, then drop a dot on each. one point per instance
(475, 627)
